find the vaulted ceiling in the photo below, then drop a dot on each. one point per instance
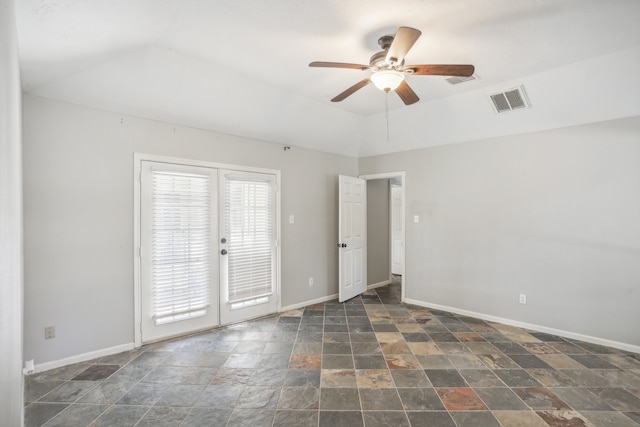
(241, 67)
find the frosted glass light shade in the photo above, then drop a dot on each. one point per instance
(387, 80)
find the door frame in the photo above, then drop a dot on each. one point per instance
(137, 199)
(402, 176)
(394, 186)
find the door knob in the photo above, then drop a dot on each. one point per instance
(223, 252)
(223, 240)
(342, 245)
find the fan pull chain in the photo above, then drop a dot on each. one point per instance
(386, 112)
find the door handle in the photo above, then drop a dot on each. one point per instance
(223, 252)
(342, 245)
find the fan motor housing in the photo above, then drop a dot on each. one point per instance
(379, 61)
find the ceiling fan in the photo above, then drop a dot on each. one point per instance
(388, 69)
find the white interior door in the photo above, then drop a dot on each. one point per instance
(352, 237)
(248, 245)
(178, 262)
(397, 245)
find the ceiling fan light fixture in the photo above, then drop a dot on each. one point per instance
(387, 80)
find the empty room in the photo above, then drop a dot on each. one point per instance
(329, 213)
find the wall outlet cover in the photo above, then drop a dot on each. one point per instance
(49, 332)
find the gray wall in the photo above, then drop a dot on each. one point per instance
(78, 215)
(554, 215)
(11, 380)
(378, 261)
(550, 214)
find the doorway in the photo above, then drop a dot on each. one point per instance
(392, 220)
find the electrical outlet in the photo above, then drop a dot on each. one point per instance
(523, 298)
(310, 281)
(49, 332)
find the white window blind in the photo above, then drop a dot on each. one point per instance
(249, 228)
(180, 245)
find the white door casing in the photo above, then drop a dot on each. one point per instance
(397, 245)
(401, 179)
(352, 242)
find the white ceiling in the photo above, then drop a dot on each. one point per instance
(241, 66)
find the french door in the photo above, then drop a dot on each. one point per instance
(208, 248)
(248, 245)
(179, 266)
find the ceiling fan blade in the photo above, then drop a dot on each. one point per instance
(441, 70)
(402, 42)
(407, 94)
(338, 65)
(351, 90)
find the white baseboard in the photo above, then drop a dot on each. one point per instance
(310, 302)
(83, 357)
(327, 298)
(377, 285)
(537, 328)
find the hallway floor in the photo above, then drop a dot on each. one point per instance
(371, 361)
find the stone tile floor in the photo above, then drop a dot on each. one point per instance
(371, 361)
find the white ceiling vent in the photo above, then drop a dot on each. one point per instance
(457, 80)
(509, 100)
